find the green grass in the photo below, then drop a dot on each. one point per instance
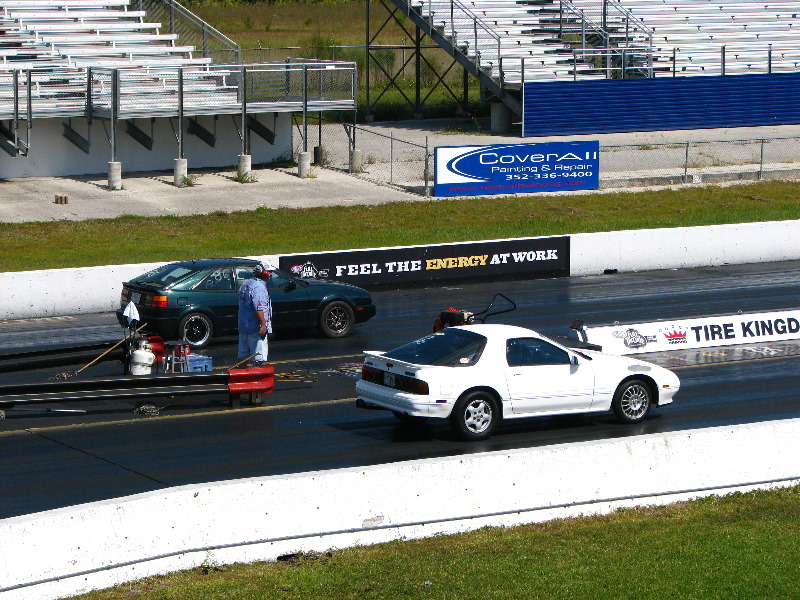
(282, 24)
(29, 246)
(742, 546)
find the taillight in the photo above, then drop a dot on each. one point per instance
(403, 383)
(124, 296)
(371, 374)
(411, 385)
(156, 301)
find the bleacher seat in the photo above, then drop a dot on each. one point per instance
(688, 36)
(69, 33)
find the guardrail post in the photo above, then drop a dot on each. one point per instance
(368, 117)
(304, 157)
(114, 166)
(88, 94)
(243, 163)
(305, 107)
(181, 171)
(686, 164)
(427, 171)
(29, 113)
(180, 112)
(15, 83)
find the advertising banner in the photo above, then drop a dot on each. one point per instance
(697, 333)
(529, 257)
(516, 168)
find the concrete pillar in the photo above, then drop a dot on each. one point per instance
(320, 156)
(244, 164)
(181, 172)
(501, 118)
(114, 175)
(356, 161)
(303, 164)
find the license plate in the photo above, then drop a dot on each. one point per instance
(135, 297)
(388, 379)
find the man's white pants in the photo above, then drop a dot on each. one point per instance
(252, 343)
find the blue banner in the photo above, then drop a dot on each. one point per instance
(516, 168)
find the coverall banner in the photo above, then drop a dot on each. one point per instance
(516, 168)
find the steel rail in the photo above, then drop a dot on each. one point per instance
(232, 381)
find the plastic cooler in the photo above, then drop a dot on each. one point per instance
(198, 363)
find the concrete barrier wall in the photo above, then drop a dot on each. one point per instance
(72, 550)
(682, 247)
(96, 289)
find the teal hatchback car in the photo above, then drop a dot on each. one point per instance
(195, 300)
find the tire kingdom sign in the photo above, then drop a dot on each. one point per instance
(516, 168)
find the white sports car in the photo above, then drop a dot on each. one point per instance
(476, 375)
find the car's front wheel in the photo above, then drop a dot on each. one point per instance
(475, 416)
(336, 319)
(632, 401)
(197, 329)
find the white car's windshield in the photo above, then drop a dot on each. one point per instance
(449, 347)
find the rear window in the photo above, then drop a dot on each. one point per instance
(166, 274)
(449, 348)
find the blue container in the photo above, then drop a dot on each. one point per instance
(199, 363)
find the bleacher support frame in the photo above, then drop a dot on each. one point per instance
(491, 89)
(114, 95)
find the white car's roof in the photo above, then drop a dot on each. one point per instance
(499, 330)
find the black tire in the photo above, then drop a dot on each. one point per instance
(475, 416)
(197, 329)
(632, 401)
(337, 319)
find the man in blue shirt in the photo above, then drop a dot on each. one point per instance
(255, 314)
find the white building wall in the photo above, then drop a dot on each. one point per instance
(52, 155)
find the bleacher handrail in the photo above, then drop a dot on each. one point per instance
(479, 29)
(181, 17)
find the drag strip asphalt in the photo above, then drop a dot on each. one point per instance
(55, 459)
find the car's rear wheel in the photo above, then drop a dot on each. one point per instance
(336, 319)
(632, 401)
(475, 416)
(197, 329)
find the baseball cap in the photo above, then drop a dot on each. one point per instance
(264, 267)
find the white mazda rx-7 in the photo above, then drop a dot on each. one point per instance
(477, 375)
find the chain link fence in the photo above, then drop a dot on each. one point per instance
(386, 158)
(367, 154)
(696, 161)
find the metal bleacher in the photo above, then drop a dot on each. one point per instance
(127, 59)
(65, 33)
(512, 42)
